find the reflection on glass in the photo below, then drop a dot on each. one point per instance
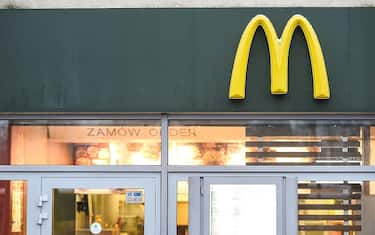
(117, 211)
(86, 143)
(243, 209)
(182, 207)
(12, 207)
(206, 145)
(137, 142)
(291, 142)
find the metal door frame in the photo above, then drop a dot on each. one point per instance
(33, 188)
(287, 200)
(151, 185)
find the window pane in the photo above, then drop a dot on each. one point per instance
(12, 207)
(243, 209)
(270, 142)
(206, 145)
(85, 143)
(182, 207)
(105, 211)
(336, 208)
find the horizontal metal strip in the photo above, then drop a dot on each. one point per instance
(303, 130)
(328, 207)
(303, 163)
(282, 144)
(329, 161)
(338, 150)
(333, 191)
(323, 144)
(352, 187)
(347, 228)
(340, 144)
(339, 159)
(317, 161)
(304, 154)
(329, 217)
(329, 196)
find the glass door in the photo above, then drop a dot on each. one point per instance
(105, 206)
(237, 205)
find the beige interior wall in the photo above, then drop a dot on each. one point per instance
(368, 215)
(182, 213)
(30, 146)
(372, 145)
(60, 154)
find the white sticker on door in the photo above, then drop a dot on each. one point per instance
(134, 197)
(95, 228)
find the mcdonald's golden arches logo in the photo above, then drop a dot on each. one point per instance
(279, 53)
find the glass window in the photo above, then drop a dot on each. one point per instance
(98, 211)
(243, 209)
(182, 207)
(324, 207)
(12, 207)
(83, 143)
(191, 143)
(272, 142)
(336, 208)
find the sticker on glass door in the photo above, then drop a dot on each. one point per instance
(99, 211)
(236, 209)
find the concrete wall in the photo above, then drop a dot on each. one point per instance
(180, 3)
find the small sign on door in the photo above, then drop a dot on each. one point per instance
(134, 197)
(95, 228)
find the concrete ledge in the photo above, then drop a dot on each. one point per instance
(48, 4)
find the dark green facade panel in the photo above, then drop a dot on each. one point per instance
(176, 60)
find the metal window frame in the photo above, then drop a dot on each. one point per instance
(169, 173)
(35, 176)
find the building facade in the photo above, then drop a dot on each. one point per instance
(156, 121)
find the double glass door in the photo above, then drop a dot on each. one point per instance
(105, 206)
(240, 206)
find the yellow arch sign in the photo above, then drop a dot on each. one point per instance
(279, 53)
